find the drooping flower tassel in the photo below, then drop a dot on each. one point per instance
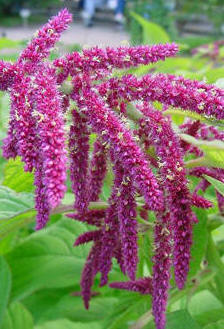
(98, 168)
(79, 152)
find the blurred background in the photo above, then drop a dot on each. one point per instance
(111, 22)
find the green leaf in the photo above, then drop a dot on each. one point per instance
(181, 320)
(16, 210)
(219, 186)
(128, 310)
(217, 325)
(203, 301)
(209, 316)
(200, 240)
(16, 178)
(47, 259)
(68, 306)
(13, 204)
(213, 150)
(5, 279)
(66, 324)
(152, 33)
(17, 317)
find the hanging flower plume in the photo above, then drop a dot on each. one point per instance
(132, 141)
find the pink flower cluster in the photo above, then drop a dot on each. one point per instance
(146, 162)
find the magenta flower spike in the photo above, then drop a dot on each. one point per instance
(87, 237)
(8, 72)
(45, 39)
(98, 62)
(41, 200)
(79, 152)
(141, 285)
(50, 129)
(169, 90)
(91, 217)
(128, 226)
(110, 237)
(89, 271)
(161, 269)
(111, 130)
(24, 122)
(98, 168)
(173, 178)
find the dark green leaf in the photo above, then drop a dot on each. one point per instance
(5, 279)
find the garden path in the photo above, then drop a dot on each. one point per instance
(101, 34)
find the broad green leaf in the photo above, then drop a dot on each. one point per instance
(216, 325)
(219, 186)
(152, 33)
(68, 306)
(16, 178)
(181, 320)
(47, 259)
(128, 310)
(66, 324)
(13, 204)
(203, 301)
(16, 210)
(200, 240)
(213, 150)
(210, 316)
(17, 317)
(5, 279)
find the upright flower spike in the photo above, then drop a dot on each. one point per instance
(126, 150)
(128, 226)
(41, 45)
(98, 167)
(79, 152)
(173, 178)
(50, 130)
(98, 62)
